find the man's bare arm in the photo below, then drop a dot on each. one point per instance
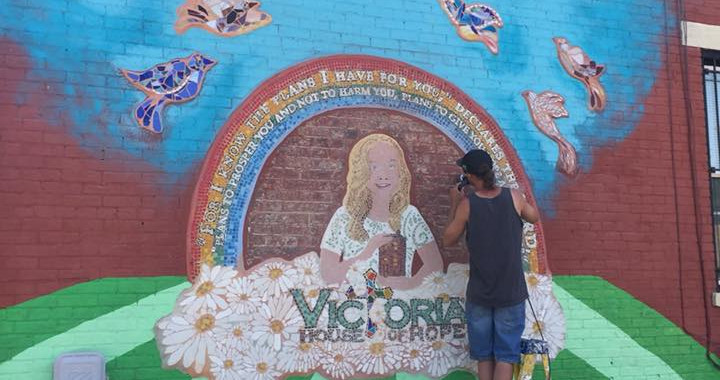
(527, 212)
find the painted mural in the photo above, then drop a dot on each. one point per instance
(379, 297)
(400, 314)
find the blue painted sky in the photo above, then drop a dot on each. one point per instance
(95, 38)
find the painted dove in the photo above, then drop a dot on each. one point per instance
(474, 22)
(574, 60)
(223, 17)
(176, 81)
(544, 109)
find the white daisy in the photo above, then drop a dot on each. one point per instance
(242, 296)
(335, 361)
(208, 290)
(378, 357)
(443, 357)
(415, 356)
(299, 357)
(191, 337)
(550, 321)
(260, 364)
(308, 268)
(274, 278)
(276, 322)
(435, 283)
(538, 283)
(238, 332)
(226, 363)
(457, 279)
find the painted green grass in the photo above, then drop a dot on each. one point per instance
(646, 326)
(28, 323)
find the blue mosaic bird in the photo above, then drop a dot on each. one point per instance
(176, 81)
(474, 22)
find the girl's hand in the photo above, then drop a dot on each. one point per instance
(375, 242)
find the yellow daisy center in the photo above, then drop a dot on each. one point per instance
(276, 326)
(228, 363)
(205, 323)
(308, 271)
(338, 358)
(445, 297)
(305, 346)
(537, 326)
(414, 353)
(377, 348)
(238, 332)
(313, 293)
(438, 280)
(205, 288)
(275, 273)
(244, 297)
(438, 344)
(261, 367)
(532, 281)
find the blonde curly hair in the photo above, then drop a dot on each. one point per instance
(358, 198)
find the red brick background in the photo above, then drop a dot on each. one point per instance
(67, 216)
(303, 182)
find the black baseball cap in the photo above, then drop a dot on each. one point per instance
(473, 160)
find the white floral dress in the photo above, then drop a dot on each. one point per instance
(412, 226)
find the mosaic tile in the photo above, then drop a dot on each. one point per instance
(579, 66)
(474, 22)
(222, 17)
(176, 81)
(544, 109)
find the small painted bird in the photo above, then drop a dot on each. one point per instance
(222, 17)
(475, 22)
(176, 81)
(544, 108)
(579, 65)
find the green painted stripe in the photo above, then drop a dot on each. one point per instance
(112, 334)
(569, 366)
(142, 363)
(29, 323)
(606, 347)
(646, 326)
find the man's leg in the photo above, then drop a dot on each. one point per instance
(503, 371)
(480, 337)
(485, 369)
(509, 325)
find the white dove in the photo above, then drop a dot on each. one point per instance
(544, 109)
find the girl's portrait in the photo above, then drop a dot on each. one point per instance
(376, 227)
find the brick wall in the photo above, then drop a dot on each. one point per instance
(303, 182)
(75, 207)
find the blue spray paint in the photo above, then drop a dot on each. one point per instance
(94, 39)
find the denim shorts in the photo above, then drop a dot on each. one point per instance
(494, 332)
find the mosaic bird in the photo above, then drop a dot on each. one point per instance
(544, 109)
(176, 81)
(222, 17)
(574, 60)
(474, 22)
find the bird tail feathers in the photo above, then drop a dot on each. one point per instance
(567, 159)
(597, 99)
(148, 114)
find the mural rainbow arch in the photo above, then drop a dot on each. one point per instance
(236, 158)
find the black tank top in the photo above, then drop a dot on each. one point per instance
(494, 241)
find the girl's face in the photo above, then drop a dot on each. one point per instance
(384, 162)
